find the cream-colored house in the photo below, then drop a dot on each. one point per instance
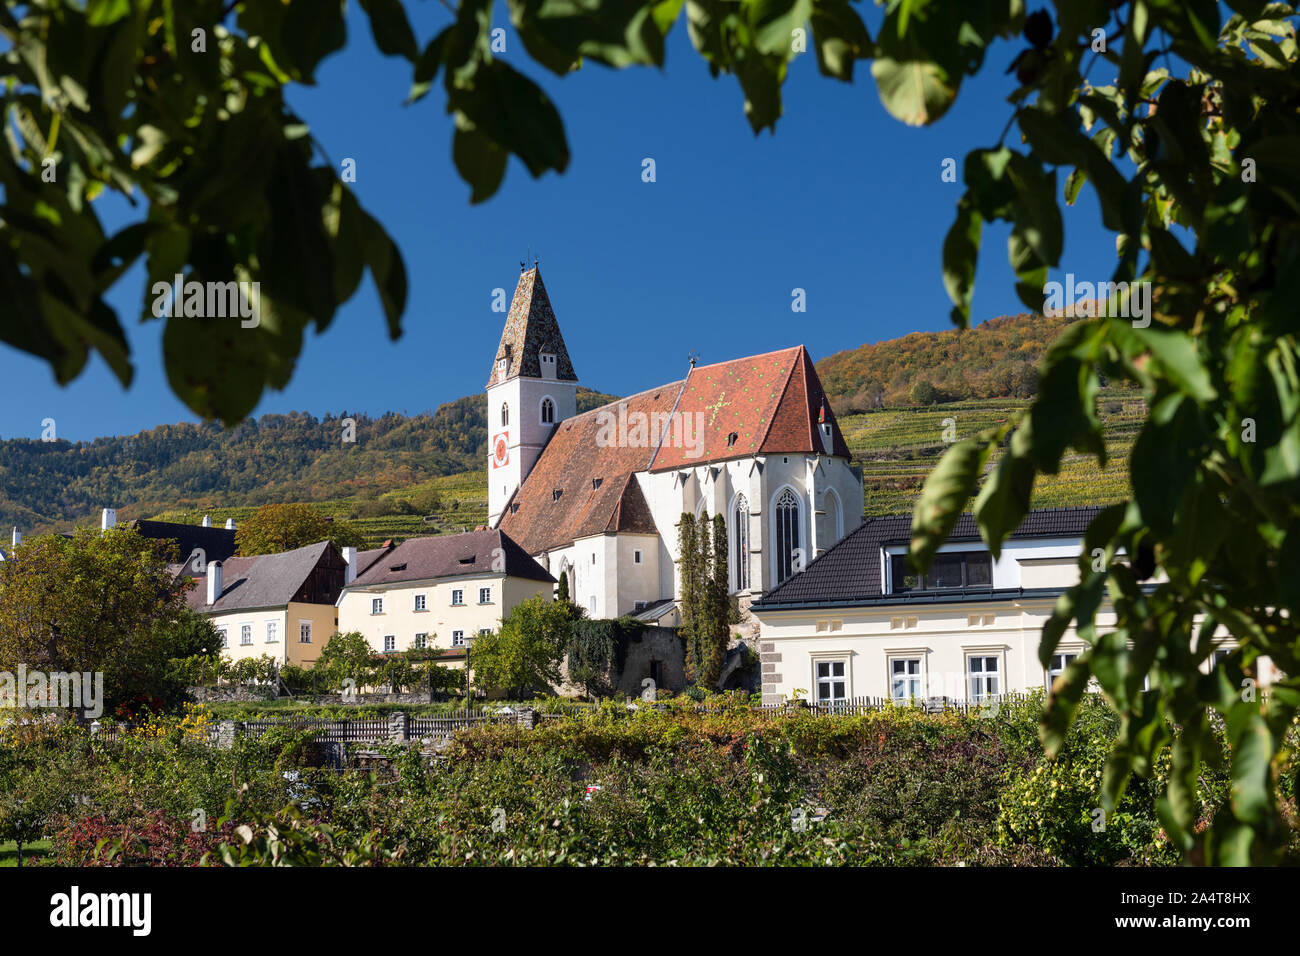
(441, 592)
(281, 605)
(855, 623)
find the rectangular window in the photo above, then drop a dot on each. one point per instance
(457, 597)
(390, 642)
(420, 641)
(905, 678)
(831, 684)
(376, 605)
(636, 557)
(484, 631)
(420, 602)
(950, 571)
(1059, 663)
(245, 634)
(225, 639)
(304, 632)
(272, 633)
(457, 638)
(484, 595)
(1218, 657)
(983, 674)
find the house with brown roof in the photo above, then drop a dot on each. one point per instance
(281, 605)
(440, 592)
(598, 496)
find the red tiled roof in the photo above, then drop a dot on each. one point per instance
(772, 403)
(560, 500)
(530, 330)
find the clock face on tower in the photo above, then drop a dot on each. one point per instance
(500, 451)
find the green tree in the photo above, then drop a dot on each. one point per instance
(284, 527)
(716, 631)
(1194, 163)
(346, 656)
(525, 653)
(103, 602)
(27, 800)
(562, 589)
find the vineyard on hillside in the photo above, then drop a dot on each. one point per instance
(894, 447)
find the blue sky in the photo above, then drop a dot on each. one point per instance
(844, 202)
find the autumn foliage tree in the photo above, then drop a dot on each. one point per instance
(283, 527)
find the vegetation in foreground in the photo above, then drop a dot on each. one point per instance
(613, 786)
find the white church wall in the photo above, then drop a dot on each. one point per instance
(635, 580)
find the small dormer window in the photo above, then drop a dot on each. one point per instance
(596, 483)
(731, 439)
(555, 494)
(548, 364)
(502, 365)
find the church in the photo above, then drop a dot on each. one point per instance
(598, 496)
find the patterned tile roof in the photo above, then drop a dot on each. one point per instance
(772, 403)
(530, 329)
(851, 569)
(448, 555)
(583, 484)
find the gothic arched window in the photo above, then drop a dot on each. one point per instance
(740, 544)
(505, 414)
(786, 537)
(548, 412)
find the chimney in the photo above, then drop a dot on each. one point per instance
(18, 537)
(107, 519)
(350, 572)
(214, 581)
(230, 524)
(207, 522)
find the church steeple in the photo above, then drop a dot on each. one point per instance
(531, 389)
(531, 332)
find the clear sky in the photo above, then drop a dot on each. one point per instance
(843, 202)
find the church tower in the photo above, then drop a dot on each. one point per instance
(532, 389)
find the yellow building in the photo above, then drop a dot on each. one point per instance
(281, 605)
(440, 592)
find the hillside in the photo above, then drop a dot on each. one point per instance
(294, 457)
(424, 474)
(995, 359)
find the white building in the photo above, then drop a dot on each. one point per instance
(856, 624)
(598, 496)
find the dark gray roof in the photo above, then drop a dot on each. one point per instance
(448, 555)
(217, 543)
(262, 580)
(851, 570)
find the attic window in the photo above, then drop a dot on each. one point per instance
(397, 567)
(595, 483)
(514, 507)
(731, 439)
(555, 495)
(469, 560)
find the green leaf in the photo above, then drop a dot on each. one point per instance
(480, 162)
(385, 263)
(914, 87)
(774, 23)
(841, 38)
(960, 252)
(946, 491)
(514, 113)
(100, 13)
(391, 29)
(1004, 500)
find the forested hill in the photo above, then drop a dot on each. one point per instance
(294, 457)
(995, 359)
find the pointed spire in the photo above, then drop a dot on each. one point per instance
(530, 330)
